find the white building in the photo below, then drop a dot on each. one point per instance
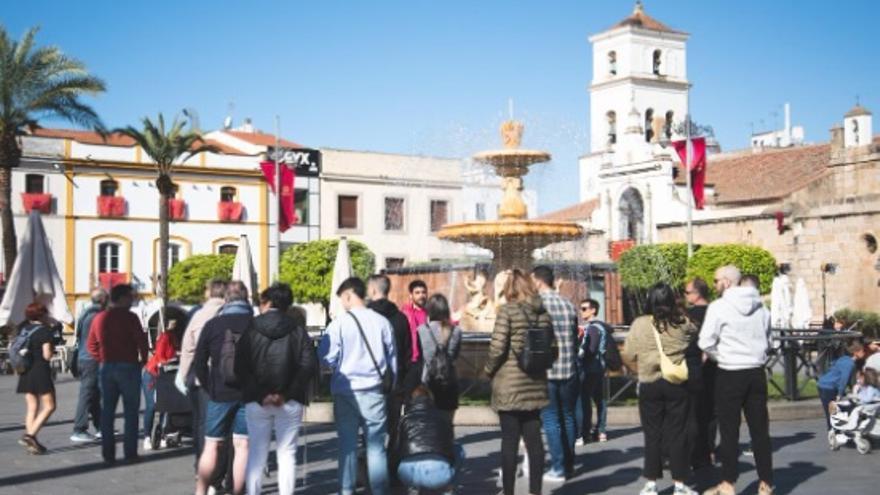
(781, 138)
(101, 207)
(395, 203)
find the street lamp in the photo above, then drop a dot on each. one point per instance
(829, 269)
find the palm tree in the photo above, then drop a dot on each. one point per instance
(166, 148)
(35, 83)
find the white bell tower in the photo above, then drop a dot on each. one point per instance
(639, 63)
(638, 96)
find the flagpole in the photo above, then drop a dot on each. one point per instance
(687, 174)
(276, 203)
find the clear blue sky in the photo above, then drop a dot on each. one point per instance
(434, 77)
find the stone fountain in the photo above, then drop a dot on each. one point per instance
(512, 238)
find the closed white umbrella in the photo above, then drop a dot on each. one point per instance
(781, 302)
(243, 268)
(34, 278)
(341, 271)
(802, 314)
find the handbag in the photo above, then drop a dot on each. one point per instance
(671, 372)
(387, 378)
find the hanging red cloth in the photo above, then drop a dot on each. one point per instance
(695, 150)
(288, 176)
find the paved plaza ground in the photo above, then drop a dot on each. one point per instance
(803, 463)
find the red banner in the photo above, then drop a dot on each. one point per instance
(288, 176)
(695, 150)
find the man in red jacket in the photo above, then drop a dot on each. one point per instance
(118, 342)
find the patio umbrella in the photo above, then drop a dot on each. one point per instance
(781, 302)
(801, 313)
(243, 268)
(34, 278)
(341, 271)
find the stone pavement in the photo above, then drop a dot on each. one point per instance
(803, 463)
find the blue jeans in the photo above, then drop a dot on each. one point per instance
(592, 390)
(352, 412)
(148, 383)
(89, 403)
(559, 423)
(430, 471)
(120, 380)
(827, 397)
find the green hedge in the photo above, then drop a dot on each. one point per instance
(187, 279)
(308, 268)
(749, 259)
(645, 265)
(869, 326)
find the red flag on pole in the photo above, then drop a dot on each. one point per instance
(288, 176)
(695, 150)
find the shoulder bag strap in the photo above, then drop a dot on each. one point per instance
(367, 343)
(657, 339)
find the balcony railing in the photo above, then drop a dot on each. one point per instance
(229, 211)
(108, 280)
(37, 201)
(111, 206)
(176, 209)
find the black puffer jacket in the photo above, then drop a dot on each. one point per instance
(425, 430)
(276, 356)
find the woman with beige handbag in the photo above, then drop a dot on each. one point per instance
(656, 346)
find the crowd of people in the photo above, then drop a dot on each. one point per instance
(248, 375)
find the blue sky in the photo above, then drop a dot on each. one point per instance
(434, 77)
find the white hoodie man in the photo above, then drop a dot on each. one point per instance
(736, 334)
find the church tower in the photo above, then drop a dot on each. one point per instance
(638, 96)
(639, 63)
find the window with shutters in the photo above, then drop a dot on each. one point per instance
(108, 257)
(394, 214)
(227, 194)
(439, 214)
(347, 212)
(109, 187)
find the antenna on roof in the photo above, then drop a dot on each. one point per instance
(193, 117)
(227, 122)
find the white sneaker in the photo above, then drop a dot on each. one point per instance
(684, 490)
(212, 490)
(553, 477)
(650, 488)
(148, 444)
(579, 442)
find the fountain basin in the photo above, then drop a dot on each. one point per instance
(511, 241)
(512, 162)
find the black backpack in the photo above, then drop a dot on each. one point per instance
(441, 374)
(539, 350)
(227, 357)
(20, 356)
(613, 361)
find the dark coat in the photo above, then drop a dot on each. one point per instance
(210, 347)
(512, 388)
(425, 430)
(402, 339)
(275, 357)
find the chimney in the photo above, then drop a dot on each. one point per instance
(836, 139)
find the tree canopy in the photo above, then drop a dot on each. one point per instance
(308, 268)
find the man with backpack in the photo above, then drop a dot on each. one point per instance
(89, 403)
(213, 365)
(562, 380)
(274, 365)
(359, 347)
(593, 351)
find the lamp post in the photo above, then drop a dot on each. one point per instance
(830, 269)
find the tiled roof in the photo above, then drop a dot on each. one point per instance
(747, 177)
(116, 139)
(85, 137)
(574, 213)
(857, 111)
(642, 20)
(262, 139)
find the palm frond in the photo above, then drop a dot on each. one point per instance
(165, 145)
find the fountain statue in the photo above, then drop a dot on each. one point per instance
(512, 238)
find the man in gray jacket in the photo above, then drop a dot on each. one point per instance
(736, 334)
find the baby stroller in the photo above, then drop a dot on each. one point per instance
(173, 408)
(851, 420)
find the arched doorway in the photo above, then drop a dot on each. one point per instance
(632, 215)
